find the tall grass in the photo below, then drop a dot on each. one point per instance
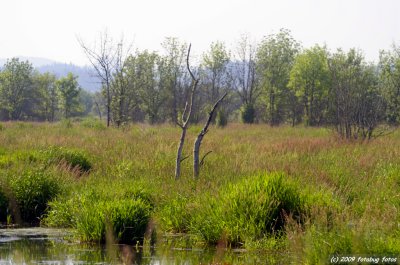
(336, 196)
(32, 190)
(251, 209)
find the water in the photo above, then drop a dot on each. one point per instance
(50, 246)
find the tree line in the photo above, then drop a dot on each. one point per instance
(274, 81)
(25, 94)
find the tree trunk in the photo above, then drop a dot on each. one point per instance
(179, 154)
(187, 112)
(197, 143)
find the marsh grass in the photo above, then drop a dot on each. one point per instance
(348, 192)
(249, 210)
(32, 190)
(121, 209)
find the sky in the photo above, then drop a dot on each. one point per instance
(49, 28)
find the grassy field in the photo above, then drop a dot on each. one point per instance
(300, 191)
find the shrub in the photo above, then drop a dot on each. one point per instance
(73, 158)
(32, 192)
(248, 113)
(61, 213)
(221, 119)
(250, 209)
(95, 211)
(126, 218)
(175, 216)
(93, 124)
(66, 123)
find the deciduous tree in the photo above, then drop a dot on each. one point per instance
(69, 94)
(310, 82)
(389, 65)
(275, 58)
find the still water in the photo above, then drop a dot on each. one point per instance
(49, 246)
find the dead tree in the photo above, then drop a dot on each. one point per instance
(184, 122)
(197, 143)
(104, 61)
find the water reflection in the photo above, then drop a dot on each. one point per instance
(50, 248)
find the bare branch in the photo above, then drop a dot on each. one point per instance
(210, 115)
(187, 63)
(185, 118)
(202, 160)
(184, 158)
(197, 143)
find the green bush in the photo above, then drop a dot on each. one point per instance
(221, 119)
(66, 123)
(93, 124)
(61, 213)
(127, 219)
(251, 209)
(121, 208)
(32, 192)
(73, 158)
(174, 215)
(248, 113)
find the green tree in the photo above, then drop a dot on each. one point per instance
(149, 86)
(86, 102)
(310, 81)
(244, 78)
(120, 87)
(357, 106)
(69, 95)
(16, 87)
(172, 72)
(214, 71)
(389, 65)
(275, 58)
(48, 101)
(215, 77)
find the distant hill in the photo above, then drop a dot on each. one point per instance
(35, 61)
(86, 78)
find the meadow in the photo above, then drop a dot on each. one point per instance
(295, 190)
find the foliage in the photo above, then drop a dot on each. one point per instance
(94, 212)
(243, 72)
(144, 70)
(126, 220)
(248, 113)
(93, 123)
(46, 86)
(16, 89)
(214, 71)
(69, 95)
(175, 216)
(284, 84)
(248, 210)
(337, 212)
(310, 81)
(389, 65)
(275, 58)
(358, 107)
(222, 118)
(32, 191)
(72, 158)
(173, 75)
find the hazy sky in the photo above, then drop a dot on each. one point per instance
(48, 28)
